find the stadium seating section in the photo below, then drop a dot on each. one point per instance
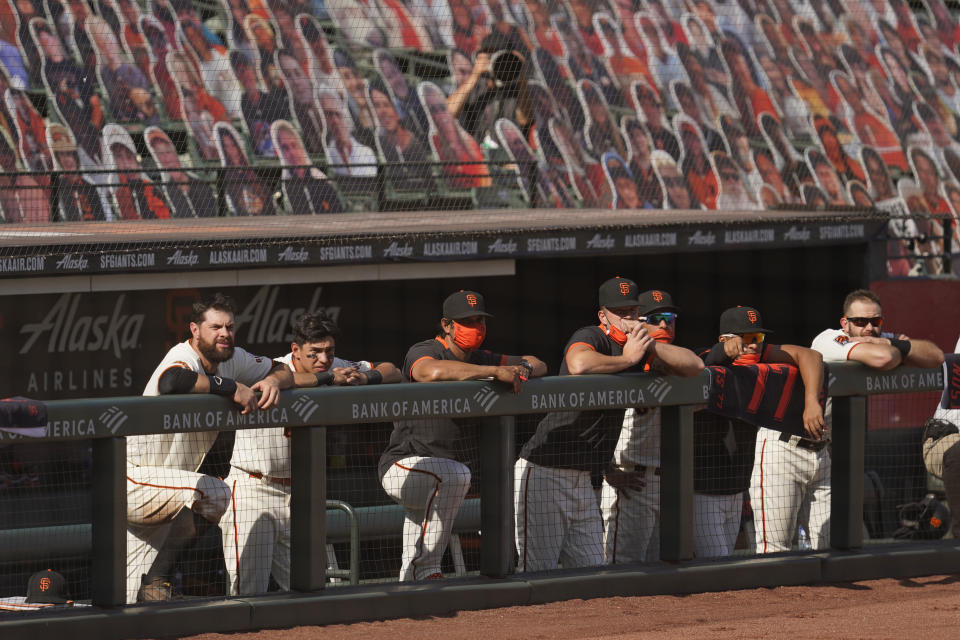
(121, 109)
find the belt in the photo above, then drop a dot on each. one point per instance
(806, 443)
(638, 468)
(283, 482)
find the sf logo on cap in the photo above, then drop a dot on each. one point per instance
(471, 300)
(658, 296)
(44, 583)
(625, 288)
(752, 316)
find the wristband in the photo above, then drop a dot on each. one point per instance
(373, 376)
(325, 378)
(529, 367)
(222, 386)
(903, 346)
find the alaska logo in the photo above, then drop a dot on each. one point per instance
(699, 238)
(795, 233)
(601, 242)
(289, 254)
(396, 250)
(113, 418)
(304, 407)
(184, 258)
(502, 246)
(487, 397)
(71, 263)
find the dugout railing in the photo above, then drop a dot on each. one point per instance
(311, 412)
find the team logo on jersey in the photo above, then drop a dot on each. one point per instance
(471, 300)
(487, 397)
(624, 288)
(659, 387)
(113, 418)
(657, 296)
(752, 316)
(842, 339)
(304, 407)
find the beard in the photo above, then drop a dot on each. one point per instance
(210, 351)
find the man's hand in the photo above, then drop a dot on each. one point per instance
(638, 341)
(813, 420)
(245, 397)
(347, 376)
(269, 392)
(514, 375)
(481, 65)
(733, 347)
(625, 481)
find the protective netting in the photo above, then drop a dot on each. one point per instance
(118, 110)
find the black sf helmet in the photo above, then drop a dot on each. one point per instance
(928, 519)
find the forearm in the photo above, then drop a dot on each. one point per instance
(875, 355)
(539, 367)
(676, 360)
(810, 364)
(282, 375)
(925, 354)
(586, 362)
(458, 98)
(450, 370)
(388, 372)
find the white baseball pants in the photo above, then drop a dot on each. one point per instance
(256, 534)
(716, 524)
(431, 490)
(631, 523)
(789, 485)
(155, 495)
(557, 518)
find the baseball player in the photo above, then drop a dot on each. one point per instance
(791, 477)
(941, 455)
(168, 502)
(256, 527)
(723, 448)
(555, 506)
(421, 468)
(631, 514)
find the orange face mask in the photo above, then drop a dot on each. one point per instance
(748, 358)
(469, 338)
(662, 335)
(616, 334)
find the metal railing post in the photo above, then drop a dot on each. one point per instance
(846, 469)
(497, 456)
(676, 483)
(109, 522)
(308, 536)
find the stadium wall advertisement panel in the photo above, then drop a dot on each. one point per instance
(177, 255)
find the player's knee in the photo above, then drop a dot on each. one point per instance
(213, 498)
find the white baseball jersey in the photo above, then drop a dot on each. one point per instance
(835, 345)
(639, 442)
(186, 450)
(267, 451)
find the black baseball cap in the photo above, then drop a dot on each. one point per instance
(619, 292)
(738, 320)
(47, 587)
(656, 300)
(464, 304)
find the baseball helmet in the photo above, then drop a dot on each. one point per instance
(928, 519)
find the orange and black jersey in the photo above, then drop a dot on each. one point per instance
(582, 440)
(437, 349)
(433, 437)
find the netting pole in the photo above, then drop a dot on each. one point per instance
(308, 535)
(497, 456)
(109, 522)
(846, 493)
(676, 483)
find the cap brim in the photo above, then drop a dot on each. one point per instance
(461, 316)
(665, 307)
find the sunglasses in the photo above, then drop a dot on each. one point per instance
(753, 338)
(876, 321)
(657, 318)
